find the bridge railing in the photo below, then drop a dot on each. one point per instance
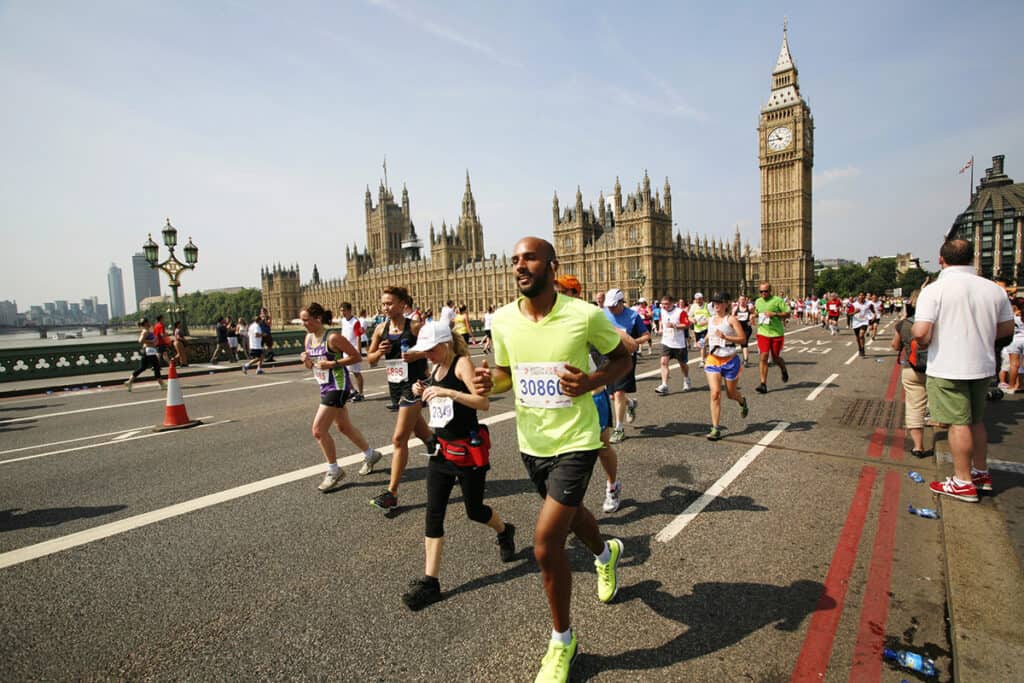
(42, 362)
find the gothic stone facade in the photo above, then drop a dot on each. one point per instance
(627, 243)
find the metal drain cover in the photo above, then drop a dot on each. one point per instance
(861, 412)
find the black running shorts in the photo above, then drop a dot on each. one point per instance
(564, 477)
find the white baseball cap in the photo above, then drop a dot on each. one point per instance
(698, 295)
(613, 297)
(432, 334)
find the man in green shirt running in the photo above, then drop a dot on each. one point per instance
(541, 340)
(772, 311)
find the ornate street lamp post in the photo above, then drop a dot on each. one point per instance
(640, 279)
(172, 266)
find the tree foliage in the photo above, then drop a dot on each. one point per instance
(204, 308)
(877, 278)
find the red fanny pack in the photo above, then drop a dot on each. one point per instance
(462, 454)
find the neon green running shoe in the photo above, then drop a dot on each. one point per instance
(608, 573)
(557, 663)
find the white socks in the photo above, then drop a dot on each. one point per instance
(563, 637)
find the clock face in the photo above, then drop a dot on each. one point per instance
(780, 138)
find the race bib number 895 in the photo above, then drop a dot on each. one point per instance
(537, 385)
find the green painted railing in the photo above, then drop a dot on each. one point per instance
(41, 362)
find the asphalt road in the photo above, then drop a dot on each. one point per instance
(782, 552)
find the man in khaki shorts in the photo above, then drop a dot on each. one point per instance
(959, 318)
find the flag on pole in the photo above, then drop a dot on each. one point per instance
(969, 164)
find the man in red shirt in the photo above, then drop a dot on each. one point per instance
(833, 308)
(160, 332)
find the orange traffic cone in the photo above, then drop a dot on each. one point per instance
(175, 416)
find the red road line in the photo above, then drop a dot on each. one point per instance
(867, 653)
(894, 382)
(877, 444)
(896, 448)
(817, 647)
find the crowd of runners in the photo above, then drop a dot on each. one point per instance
(571, 365)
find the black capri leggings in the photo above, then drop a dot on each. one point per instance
(441, 478)
(148, 362)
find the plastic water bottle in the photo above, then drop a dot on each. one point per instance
(474, 438)
(405, 346)
(916, 477)
(923, 512)
(911, 660)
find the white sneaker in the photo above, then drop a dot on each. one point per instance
(662, 389)
(128, 384)
(611, 497)
(687, 384)
(331, 481)
(368, 463)
(630, 410)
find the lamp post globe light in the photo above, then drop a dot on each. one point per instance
(172, 266)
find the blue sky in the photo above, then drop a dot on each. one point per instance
(256, 126)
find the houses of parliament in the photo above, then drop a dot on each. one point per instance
(626, 242)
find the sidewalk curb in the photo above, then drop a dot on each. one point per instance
(60, 384)
(984, 592)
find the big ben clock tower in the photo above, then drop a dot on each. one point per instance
(786, 157)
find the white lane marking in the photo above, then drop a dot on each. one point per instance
(849, 343)
(122, 439)
(852, 358)
(139, 403)
(97, 533)
(821, 387)
(679, 523)
(64, 441)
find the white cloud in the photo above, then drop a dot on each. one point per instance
(835, 174)
(442, 31)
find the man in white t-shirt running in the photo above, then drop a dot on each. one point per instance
(673, 344)
(352, 330)
(862, 317)
(959, 318)
(255, 348)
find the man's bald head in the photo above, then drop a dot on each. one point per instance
(538, 246)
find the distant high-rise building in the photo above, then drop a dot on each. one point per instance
(8, 313)
(102, 315)
(147, 279)
(115, 287)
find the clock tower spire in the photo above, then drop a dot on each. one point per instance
(786, 159)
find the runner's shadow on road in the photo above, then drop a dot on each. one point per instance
(636, 551)
(669, 430)
(718, 615)
(674, 499)
(761, 427)
(6, 409)
(10, 520)
(17, 426)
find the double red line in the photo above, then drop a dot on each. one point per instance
(867, 654)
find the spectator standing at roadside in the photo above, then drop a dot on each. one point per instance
(232, 331)
(180, 345)
(959, 318)
(912, 360)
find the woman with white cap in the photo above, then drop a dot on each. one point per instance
(462, 455)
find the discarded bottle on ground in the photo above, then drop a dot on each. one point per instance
(916, 477)
(911, 660)
(923, 512)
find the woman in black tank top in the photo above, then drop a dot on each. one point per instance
(393, 341)
(453, 405)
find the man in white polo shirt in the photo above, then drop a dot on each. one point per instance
(959, 318)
